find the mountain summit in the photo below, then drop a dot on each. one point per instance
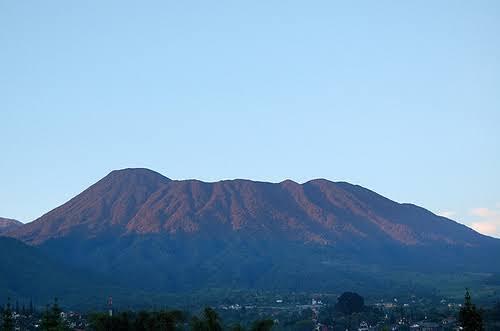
(107, 205)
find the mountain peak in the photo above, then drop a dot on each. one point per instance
(128, 178)
(103, 207)
(136, 172)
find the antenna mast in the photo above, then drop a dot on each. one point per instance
(110, 306)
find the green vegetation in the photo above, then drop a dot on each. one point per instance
(7, 322)
(168, 320)
(209, 322)
(294, 312)
(262, 325)
(349, 303)
(143, 320)
(52, 320)
(24, 267)
(469, 316)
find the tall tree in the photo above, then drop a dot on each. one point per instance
(51, 319)
(262, 325)
(170, 319)
(237, 327)
(212, 320)
(47, 322)
(7, 321)
(469, 316)
(31, 307)
(197, 324)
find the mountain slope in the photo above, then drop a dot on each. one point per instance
(106, 206)
(160, 234)
(28, 274)
(7, 224)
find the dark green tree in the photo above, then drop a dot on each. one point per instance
(349, 303)
(469, 316)
(141, 321)
(212, 320)
(7, 321)
(170, 319)
(104, 322)
(494, 313)
(51, 319)
(237, 327)
(262, 325)
(197, 324)
(47, 320)
(304, 325)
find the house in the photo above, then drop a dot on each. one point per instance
(426, 326)
(363, 326)
(449, 323)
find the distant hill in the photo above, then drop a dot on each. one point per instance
(28, 274)
(7, 224)
(154, 233)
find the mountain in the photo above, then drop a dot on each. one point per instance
(154, 233)
(7, 224)
(140, 202)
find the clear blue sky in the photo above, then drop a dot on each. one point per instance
(402, 97)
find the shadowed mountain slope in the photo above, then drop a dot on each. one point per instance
(26, 273)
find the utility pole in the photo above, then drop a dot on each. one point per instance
(110, 306)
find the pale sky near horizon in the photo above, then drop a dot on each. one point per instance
(400, 97)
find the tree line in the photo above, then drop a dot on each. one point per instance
(348, 304)
(168, 320)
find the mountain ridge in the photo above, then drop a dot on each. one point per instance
(143, 201)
